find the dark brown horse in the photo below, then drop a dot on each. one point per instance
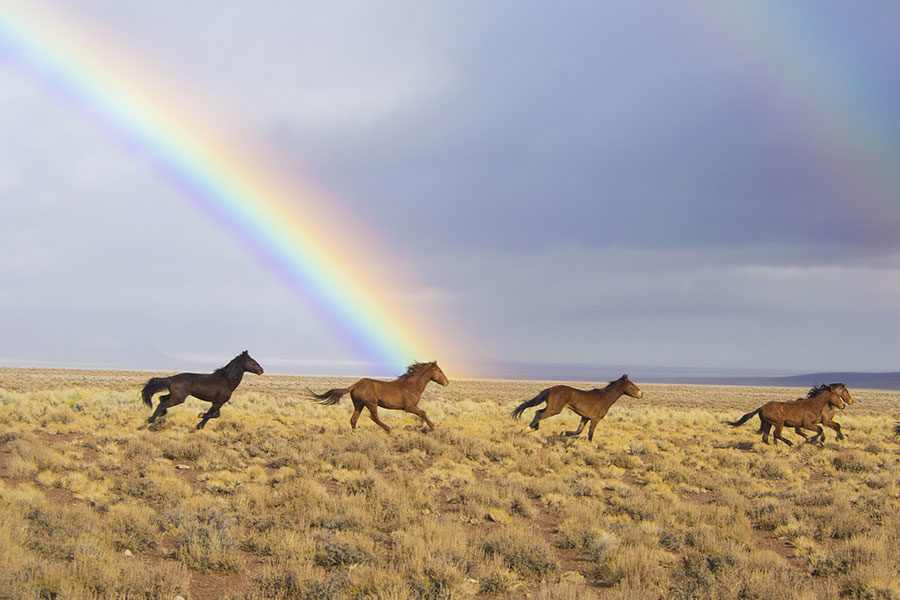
(215, 387)
(827, 413)
(804, 413)
(590, 405)
(400, 394)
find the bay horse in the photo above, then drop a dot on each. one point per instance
(401, 393)
(804, 413)
(590, 405)
(215, 387)
(827, 413)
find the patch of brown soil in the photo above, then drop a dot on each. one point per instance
(765, 540)
(212, 586)
(188, 471)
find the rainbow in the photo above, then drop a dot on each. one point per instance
(262, 208)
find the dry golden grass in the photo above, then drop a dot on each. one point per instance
(279, 499)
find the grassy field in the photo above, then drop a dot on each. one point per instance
(280, 499)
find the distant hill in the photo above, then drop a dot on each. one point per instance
(853, 379)
(698, 376)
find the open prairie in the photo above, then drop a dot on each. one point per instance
(279, 499)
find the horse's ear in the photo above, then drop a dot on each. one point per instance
(625, 376)
(246, 353)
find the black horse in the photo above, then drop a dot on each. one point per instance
(215, 387)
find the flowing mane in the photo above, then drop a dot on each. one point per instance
(815, 390)
(415, 369)
(612, 383)
(226, 370)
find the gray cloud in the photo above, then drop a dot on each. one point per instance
(696, 201)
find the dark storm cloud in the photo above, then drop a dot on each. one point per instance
(584, 182)
(605, 127)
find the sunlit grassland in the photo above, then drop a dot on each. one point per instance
(279, 499)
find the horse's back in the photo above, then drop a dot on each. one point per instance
(792, 414)
(205, 386)
(583, 402)
(371, 390)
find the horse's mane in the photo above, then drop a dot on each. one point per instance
(415, 369)
(816, 390)
(614, 382)
(227, 369)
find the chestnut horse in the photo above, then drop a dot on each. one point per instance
(590, 405)
(215, 387)
(399, 394)
(805, 413)
(827, 413)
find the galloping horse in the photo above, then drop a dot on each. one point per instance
(215, 387)
(399, 394)
(805, 413)
(827, 413)
(590, 405)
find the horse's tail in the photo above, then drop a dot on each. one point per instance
(542, 397)
(157, 384)
(331, 396)
(745, 418)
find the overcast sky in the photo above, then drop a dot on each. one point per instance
(631, 184)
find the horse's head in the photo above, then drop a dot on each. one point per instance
(840, 390)
(437, 375)
(834, 398)
(631, 389)
(248, 364)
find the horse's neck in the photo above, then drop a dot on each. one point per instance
(611, 393)
(420, 380)
(233, 374)
(822, 400)
(615, 390)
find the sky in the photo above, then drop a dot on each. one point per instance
(621, 185)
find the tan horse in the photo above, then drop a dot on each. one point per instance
(400, 394)
(590, 405)
(805, 413)
(827, 413)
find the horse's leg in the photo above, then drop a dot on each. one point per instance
(837, 427)
(373, 412)
(213, 412)
(581, 425)
(799, 432)
(766, 427)
(421, 414)
(160, 408)
(547, 412)
(535, 422)
(778, 436)
(357, 409)
(820, 435)
(591, 428)
(816, 428)
(173, 398)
